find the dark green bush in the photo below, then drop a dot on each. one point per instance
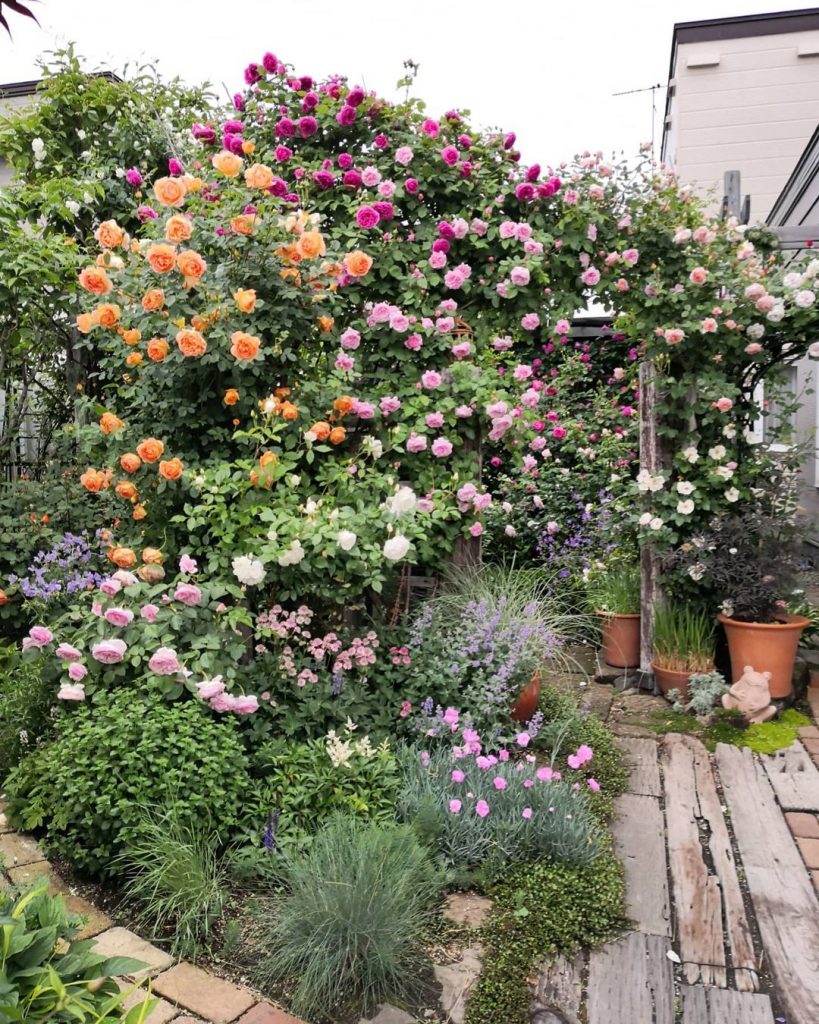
(349, 927)
(541, 910)
(89, 789)
(26, 700)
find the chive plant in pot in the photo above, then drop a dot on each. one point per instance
(747, 563)
(683, 646)
(614, 593)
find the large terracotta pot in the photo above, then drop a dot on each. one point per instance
(669, 679)
(766, 647)
(528, 698)
(621, 640)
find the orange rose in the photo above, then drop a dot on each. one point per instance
(192, 183)
(178, 228)
(95, 280)
(191, 343)
(228, 163)
(133, 359)
(343, 404)
(139, 512)
(245, 299)
(289, 411)
(153, 300)
(109, 234)
(132, 336)
(93, 480)
(158, 349)
(152, 556)
(244, 346)
(4, 598)
(125, 489)
(326, 324)
(321, 430)
(191, 266)
(268, 459)
(130, 462)
(231, 396)
(151, 573)
(171, 469)
(161, 257)
(291, 274)
(337, 435)
(248, 147)
(108, 314)
(110, 424)
(243, 224)
(150, 449)
(358, 263)
(170, 191)
(259, 176)
(281, 392)
(310, 245)
(123, 557)
(85, 321)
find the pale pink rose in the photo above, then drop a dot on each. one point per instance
(461, 350)
(698, 275)
(621, 284)
(164, 662)
(437, 260)
(765, 303)
(753, 349)
(595, 192)
(463, 412)
(709, 325)
(344, 362)
(755, 291)
(222, 702)
(127, 579)
(590, 277)
(631, 256)
(434, 420)
(109, 652)
(416, 442)
(209, 688)
(76, 671)
(476, 529)
(413, 342)
(187, 564)
(149, 612)
(110, 586)
(350, 339)
(68, 653)
(431, 379)
(403, 155)
(507, 229)
(519, 276)
(40, 636)
(674, 335)
(389, 404)
(96, 608)
(441, 447)
(188, 594)
(119, 616)
(530, 321)
(562, 327)
(245, 704)
(724, 404)
(69, 691)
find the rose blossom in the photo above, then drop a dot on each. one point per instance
(210, 688)
(68, 653)
(441, 447)
(76, 671)
(149, 612)
(431, 379)
(188, 594)
(164, 662)
(119, 616)
(416, 442)
(109, 652)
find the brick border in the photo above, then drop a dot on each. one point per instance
(187, 994)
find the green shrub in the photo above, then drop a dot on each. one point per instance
(176, 880)
(46, 976)
(489, 816)
(541, 910)
(350, 923)
(89, 788)
(26, 699)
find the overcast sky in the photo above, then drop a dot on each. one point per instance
(543, 70)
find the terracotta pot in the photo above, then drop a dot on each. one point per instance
(526, 704)
(669, 679)
(766, 647)
(621, 640)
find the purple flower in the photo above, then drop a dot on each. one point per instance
(285, 128)
(344, 161)
(385, 210)
(203, 132)
(310, 102)
(252, 74)
(174, 166)
(525, 191)
(411, 185)
(238, 102)
(133, 177)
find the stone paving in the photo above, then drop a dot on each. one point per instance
(186, 994)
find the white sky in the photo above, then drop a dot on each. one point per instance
(545, 71)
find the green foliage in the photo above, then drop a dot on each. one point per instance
(615, 589)
(309, 782)
(176, 878)
(704, 691)
(89, 788)
(729, 727)
(558, 823)
(26, 699)
(684, 638)
(540, 910)
(349, 925)
(47, 976)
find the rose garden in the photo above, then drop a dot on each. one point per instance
(336, 505)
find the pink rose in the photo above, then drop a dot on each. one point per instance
(245, 704)
(68, 691)
(76, 671)
(724, 404)
(519, 276)
(434, 420)
(590, 276)
(413, 342)
(187, 564)
(119, 616)
(441, 447)
(68, 653)
(149, 612)
(431, 379)
(389, 404)
(673, 336)
(164, 662)
(461, 350)
(416, 442)
(109, 652)
(476, 529)
(39, 636)
(698, 275)
(403, 155)
(530, 321)
(127, 579)
(753, 349)
(350, 339)
(709, 325)
(110, 586)
(188, 594)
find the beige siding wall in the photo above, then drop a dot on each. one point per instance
(744, 104)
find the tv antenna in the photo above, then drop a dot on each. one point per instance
(653, 90)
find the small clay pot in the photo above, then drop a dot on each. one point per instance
(668, 679)
(528, 698)
(621, 640)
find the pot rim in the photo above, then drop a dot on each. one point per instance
(786, 622)
(675, 671)
(617, 615)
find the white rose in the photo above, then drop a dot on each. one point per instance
(645, 518)
(396, 548)
(72, 206)
(792, 280)
(812, 269)
(691, 455)
(510, 531)
(656, 523)
(696, 572)
(248, 571)
(729, 431)
(723, 472)
(293, 555)
(717, 452)
(685, 487)
(732, 494)
(755, 331)
(310, 507)
(685, 508)
(804, 299)
(777, 314)
(404, 500)
(346, 539)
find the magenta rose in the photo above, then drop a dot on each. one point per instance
(367, 217)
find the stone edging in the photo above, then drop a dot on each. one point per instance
(187, 994)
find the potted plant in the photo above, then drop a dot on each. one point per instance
(747, 562)
(683, 646)
(614, 594)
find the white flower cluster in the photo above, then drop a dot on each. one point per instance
(648, 481)
(293, 555)
(341, 750)
(248, 571)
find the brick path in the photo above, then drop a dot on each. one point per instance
(187, 994)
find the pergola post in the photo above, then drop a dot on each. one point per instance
(651, 460)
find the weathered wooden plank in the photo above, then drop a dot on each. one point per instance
(707, 896)
(723, 1006)
(781, 890)
(794, 778)
(640, 843)
(631, 982)
(640, 757)
(560, 988)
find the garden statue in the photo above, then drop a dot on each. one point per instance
(751, 695)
